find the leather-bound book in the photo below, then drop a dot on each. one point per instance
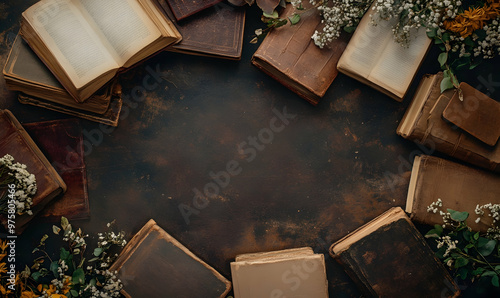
(61, 141)
(154, 264)
(289, 55)
(14, 140)
(424, 123)
(215, 32)
(297, 272)
(374, 58)
(26, 73)
(462, 190)
(388, 257)
(185, 8)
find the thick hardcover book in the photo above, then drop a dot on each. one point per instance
(462, 190)
(86, 43)
(154, 264)
(61, 141)
(289, 55)
(26, 73)
(374, 58)
(423, 122)
(14, 140)
(388, 257)
(297, 272)
(215, 32)
(185, 8)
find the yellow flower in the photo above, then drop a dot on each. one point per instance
(3, 268)
(3, 245)
(28, 294)
(4, 291)
(473, 18)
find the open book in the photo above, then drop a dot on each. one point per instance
(85, 43)
(374, 58)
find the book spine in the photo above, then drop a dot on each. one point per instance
(349, 265)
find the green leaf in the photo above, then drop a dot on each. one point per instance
(478, 271)
(460, 262)
(488, 248)
(53, 267)
(442, 58)
(438, 41)
(457, 215)
(56, 230)
(489, 273)
(432, 33)
(349, 29)
(36, 275)
(274, 15)
(78, 276)
(476, 236)
(74, 293)
(64, 255)
(98, 251)
(64, 223)
(495, 281)
(446, 37)
(462, 272)
(294, 19)
(446, 84)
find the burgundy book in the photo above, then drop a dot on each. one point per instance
(184, 8)
(14, 140)
(62, 143)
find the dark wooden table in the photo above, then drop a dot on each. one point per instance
(305, 180)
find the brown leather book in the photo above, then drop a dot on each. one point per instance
(14, 140)
(462, 190)
(296, 272)
(374, 58)
(388, 257)
(177, 271)
(215, 32)
(26, 73)
(289, 55)
(184, 8)
(423, 123)
(61, 141)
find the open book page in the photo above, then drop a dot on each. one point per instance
(397, 66)
(70, 39)
(123, 24)
(365, 46)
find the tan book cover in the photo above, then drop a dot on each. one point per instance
(388, 257)
(289, 55)
(463, 189)
(86, 43)
(423, 123)
(374, 58)
(297, 272)
(154, 264)
(14, 140)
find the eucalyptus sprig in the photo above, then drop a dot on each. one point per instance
(469, 254)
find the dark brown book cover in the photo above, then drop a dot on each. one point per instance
(154, 264)
(476, 113)
(289, 55)
(388, 257)
(462, 190)
(423, 123)
(62, 143)
(184, 8)
(216, 31)
(14, 140)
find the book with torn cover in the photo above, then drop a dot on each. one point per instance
(177, 271)
(388, 257)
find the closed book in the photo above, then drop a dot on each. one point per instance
(61, 141)
(463, 189)
(14, 140)
(26, 73)
(215, 32)
(374, 58)
(154, 264)
(185, 8)
(289, 55)
(423, 122)
(297, 272)
(388, 257)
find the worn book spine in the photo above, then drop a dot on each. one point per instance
(424, 124)
(463, 189)
(15, 140)
(289, 55)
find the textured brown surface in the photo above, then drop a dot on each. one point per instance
(394, 260)
(184, 8)
(61, 141)
(288, 54)
(477, 114)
